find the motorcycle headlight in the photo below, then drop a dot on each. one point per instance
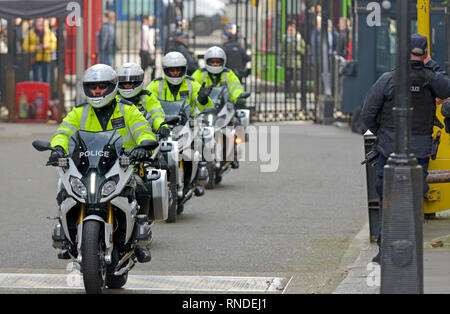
(210, 119)
(108, 187)
(78, 187)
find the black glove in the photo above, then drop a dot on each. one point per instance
(445, 110)
(240, 102)
(203, 94)
(141, 154)
(56, 154)
(164, 132)
(447, 125)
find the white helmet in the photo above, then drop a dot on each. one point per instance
(215, 53)
(130, 73)
(174, 59)
(96, 75)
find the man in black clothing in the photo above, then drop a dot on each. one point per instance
(237, 57)
(428, 82)
(178, 42)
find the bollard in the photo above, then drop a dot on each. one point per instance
(402, 245)
(402, 238)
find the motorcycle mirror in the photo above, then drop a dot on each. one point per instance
(244, 95)
(149, 144)
(41, 145)
(171, 120)
(208, 110)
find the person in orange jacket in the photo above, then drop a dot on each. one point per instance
(41, 42)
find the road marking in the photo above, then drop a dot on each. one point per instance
(150, 283)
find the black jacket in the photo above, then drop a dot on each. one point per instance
(191, 63)
(381, 91)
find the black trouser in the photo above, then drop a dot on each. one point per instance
(142, 196)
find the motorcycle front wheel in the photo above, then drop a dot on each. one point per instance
(212, 175)
(113, 281)
(93, 252)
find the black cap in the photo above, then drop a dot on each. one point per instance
(419, 45)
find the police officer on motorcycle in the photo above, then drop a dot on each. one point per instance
(428, 82)
(216, 73)
(104, 111)
(176, 84)
(131, 88)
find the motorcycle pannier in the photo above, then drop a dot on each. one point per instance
(159, 194)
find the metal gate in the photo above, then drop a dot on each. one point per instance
(287, 72)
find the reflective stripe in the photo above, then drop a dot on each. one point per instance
(204, 76)
(84, 117)
(138, 125)
(190, 88)
(152, 112)
(69, 126)
(143, 100)
(152, 120)
(234, 84)
(62, 132)
(129, 136)
(138, 133)
(160, 89)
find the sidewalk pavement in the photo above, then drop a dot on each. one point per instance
(14, 130)
(363, 276)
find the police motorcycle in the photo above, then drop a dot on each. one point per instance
(230, 125)
(182, 151)
(100, 224)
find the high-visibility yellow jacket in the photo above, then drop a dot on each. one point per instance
(151, 108)
(32, 40)
(126, 118)
(188, 90)
(234, 85)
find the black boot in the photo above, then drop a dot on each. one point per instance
(64, 254)
(142, 254)
(235, 164)
(377, 258)
(199, 190)
(143, 237)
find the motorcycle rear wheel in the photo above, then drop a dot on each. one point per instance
(172, 214)
(92, 249)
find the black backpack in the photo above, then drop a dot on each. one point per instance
(235, 59)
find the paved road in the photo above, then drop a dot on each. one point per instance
(294, 223)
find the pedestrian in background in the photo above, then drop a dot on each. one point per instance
(107, 39)
(293, 48)
(179, 42)
(147, 44)
(237, 57)
(41, 42)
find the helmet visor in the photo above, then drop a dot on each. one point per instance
(129, 84)
(215, 62)
(98, 89)
(175, 71)
(130, 78)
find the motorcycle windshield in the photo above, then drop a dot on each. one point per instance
(173, 108)
(215, 93)
(95, 150)
(218, 96)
